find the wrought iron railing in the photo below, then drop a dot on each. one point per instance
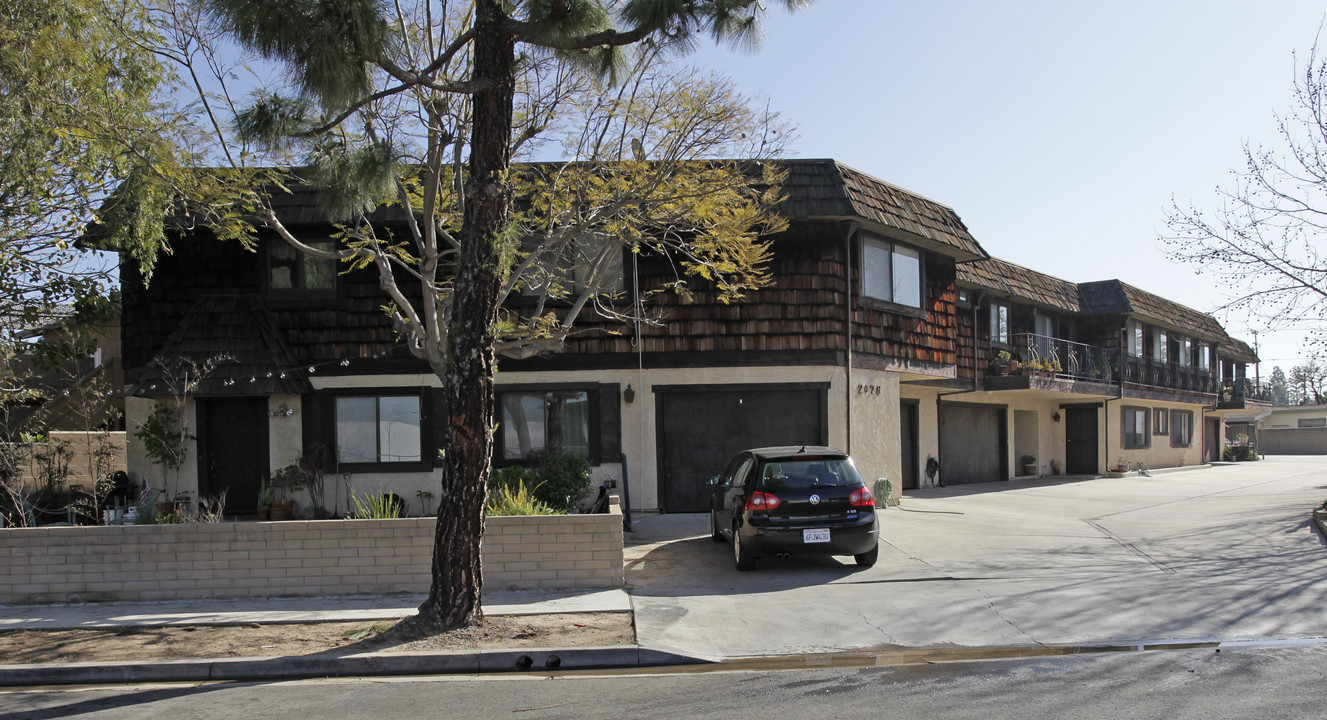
(1245, 389)
(1065, 358)
(1171, 376)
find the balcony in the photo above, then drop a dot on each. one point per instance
(1245, 394)
(1157, 374)
(1043, 362)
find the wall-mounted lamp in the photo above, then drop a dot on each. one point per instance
(1055, 416)
(281, 411)
(629, 394)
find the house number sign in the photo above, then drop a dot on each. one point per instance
(868, 390)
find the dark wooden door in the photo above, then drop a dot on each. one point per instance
(700, 432)
(972, 444)
(233, 450)
(907, 431)
(1080, 436)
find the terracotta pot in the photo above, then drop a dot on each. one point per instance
(264, 512)
(283, 509)
(165, 508)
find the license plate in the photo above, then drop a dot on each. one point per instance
(815, 536)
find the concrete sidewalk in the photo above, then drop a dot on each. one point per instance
(226, 611)
(309, 610)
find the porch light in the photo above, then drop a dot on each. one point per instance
(1055, 416)
(629, 394)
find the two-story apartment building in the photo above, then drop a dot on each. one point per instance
(1077, 377)
(877, 336)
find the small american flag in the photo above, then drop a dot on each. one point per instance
(142, 496)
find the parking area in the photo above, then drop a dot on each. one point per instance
(1224, 552)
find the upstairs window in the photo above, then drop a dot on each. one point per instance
(892, 273)
(1160, 347)
(1204, 357)
(290, 269)
(572, 273)
(1000, 323)
(1134, 329)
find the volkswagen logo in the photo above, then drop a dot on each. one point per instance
(815, 499)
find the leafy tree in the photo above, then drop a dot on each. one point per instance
(1262, 240)
(1279, 387)
(1308, 383)
(78, 85)
(425, 105)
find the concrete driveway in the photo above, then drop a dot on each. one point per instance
(1226, 552)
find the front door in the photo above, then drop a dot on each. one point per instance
(907, 432)
(1080, 435)
(233, 450)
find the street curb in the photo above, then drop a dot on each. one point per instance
(1320, 519)
(315, 666)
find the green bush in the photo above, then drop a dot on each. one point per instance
(510, 477)
(1240, 453)
(516, 500)
(563, 481)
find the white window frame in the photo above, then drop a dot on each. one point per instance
(879, 274)
(1000, 323)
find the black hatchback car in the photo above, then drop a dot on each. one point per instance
(782, 501)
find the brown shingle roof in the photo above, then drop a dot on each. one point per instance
(827, 189)
(1104, 297)
(1113, 296)
(238, 327)
(1018, 281)
(814, 189)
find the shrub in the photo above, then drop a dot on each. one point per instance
(510, 477)
(516, 500)
(563, 481)
(1240, 453)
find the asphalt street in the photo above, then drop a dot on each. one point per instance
(1264, 683)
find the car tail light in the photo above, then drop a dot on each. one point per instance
(861, 497)
(759, 501)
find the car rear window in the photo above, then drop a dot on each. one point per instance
(802, 473)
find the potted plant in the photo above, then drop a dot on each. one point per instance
(1120, 469)
(294, 476)
(1003, 362)
(164, 436)
(1029, 464)
(266, 495)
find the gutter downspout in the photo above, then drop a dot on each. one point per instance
(976, 303)
(849, 232)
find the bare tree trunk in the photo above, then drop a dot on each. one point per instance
(453, 599)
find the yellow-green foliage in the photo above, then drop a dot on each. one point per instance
(515, 500)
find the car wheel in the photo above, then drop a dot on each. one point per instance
(742, 557)
(715, 533)
(868, 558)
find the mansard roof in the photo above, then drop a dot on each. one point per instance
(1104, 297)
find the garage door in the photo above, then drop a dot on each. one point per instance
(702, 427)
(971, 444)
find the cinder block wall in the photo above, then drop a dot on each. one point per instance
(300, 558)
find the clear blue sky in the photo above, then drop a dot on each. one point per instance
(1059, 131)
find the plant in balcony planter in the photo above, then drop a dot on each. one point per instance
(1004, 363)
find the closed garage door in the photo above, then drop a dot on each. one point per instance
(702, 427)
(971, 444)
